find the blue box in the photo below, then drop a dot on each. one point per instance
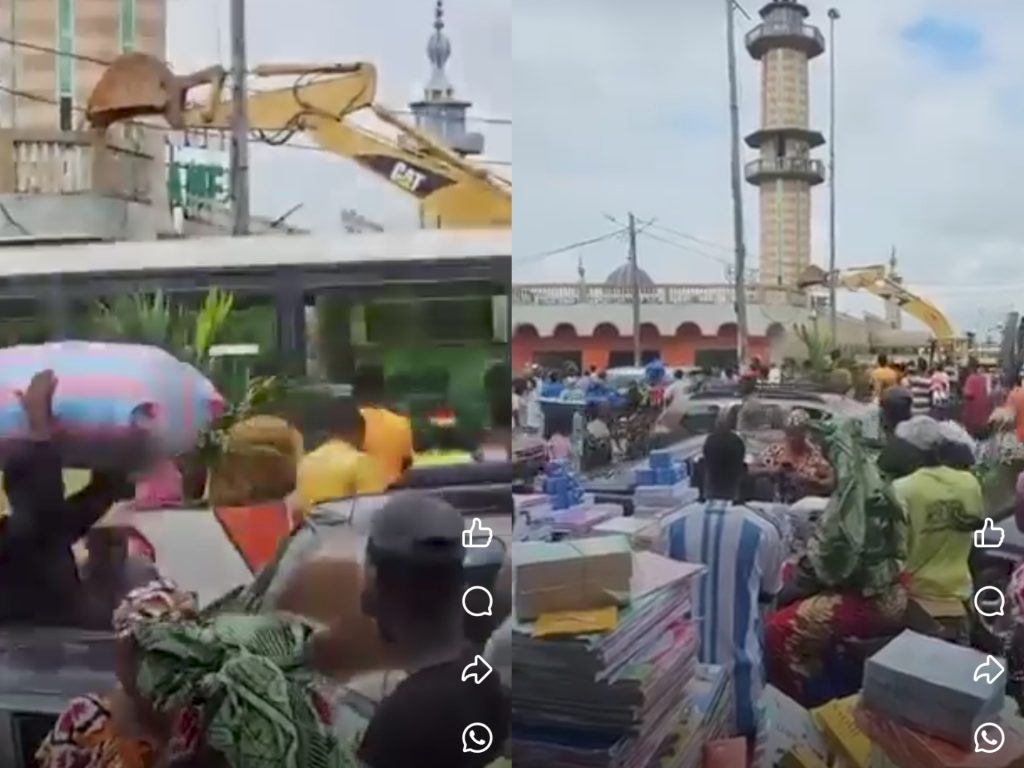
(660, 460)
(644, 476)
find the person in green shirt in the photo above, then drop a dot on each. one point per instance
(944, 505)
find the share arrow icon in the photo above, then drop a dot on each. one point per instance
(990, 671)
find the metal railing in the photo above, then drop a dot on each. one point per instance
(768, 33)
(797, 167)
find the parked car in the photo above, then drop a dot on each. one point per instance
(684, 425)
(42, 668)
(698, 413)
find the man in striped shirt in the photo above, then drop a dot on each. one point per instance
(743, 555)
(920, 385)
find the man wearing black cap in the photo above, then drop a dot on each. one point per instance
(414, 588)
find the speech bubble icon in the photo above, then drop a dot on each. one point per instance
(476, 738)
(989, 602)
(988, 739)
(480, 604)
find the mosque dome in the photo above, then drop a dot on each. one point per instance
(622, 277)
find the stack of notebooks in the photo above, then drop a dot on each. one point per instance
(710, 695)
(615, 699)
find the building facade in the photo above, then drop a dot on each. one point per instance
(785, 171)
(54, 83)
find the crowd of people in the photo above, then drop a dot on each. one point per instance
(890, 550)
(227, 687)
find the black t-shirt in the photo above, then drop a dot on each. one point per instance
(422, 721)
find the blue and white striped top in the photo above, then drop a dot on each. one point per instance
(744, 556)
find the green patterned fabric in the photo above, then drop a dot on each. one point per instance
(860, 543)
(249, 676)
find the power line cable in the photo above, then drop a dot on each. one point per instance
(503, 121)
(570, 247)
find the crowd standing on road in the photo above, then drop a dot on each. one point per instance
(227, 686)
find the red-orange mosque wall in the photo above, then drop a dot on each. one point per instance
(678, 349)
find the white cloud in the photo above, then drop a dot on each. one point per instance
(392, 34)
(623, 106)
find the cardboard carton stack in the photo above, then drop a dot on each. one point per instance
(664, 482)
(922, 704)
(611, 697)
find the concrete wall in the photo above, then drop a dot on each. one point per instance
(83, 215)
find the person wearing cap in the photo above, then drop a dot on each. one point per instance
(898, 457)
(413, 587)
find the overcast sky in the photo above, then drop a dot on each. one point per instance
(623, 106)
(393, 35)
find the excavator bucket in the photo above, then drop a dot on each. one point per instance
(812, 276)
(134, 85)
(137, 84)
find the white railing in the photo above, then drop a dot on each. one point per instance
(561, 294)
(796, 166)
(763, 33)
(38, 162)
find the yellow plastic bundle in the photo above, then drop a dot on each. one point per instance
(258, 464)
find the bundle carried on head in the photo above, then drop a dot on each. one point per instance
(106, 394)
(258, 464)
(860, 541)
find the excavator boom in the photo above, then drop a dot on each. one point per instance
(875, 280)
(452, 192)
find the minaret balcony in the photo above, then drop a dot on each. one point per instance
(799, 168)
(773, 34)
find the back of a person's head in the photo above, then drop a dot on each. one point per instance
(678, 375)
(724, 456)
(883, 360)
(345, 422)
(415, 545)
(368, 383)
(897, 404)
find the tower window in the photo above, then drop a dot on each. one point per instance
(65, 112)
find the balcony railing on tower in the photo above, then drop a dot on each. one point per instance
(802, 168)
(785, 34)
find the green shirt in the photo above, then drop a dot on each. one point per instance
(943, 507)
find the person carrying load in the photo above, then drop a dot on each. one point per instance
(38, 572)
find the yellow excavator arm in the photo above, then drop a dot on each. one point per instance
(875, 280)
(452, 192)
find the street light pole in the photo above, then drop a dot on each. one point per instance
(739, 243)
(833, 15)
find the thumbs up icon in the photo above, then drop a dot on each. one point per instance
(989, 536)
(477, 536)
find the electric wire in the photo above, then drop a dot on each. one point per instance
(39, 48)
(537, 257)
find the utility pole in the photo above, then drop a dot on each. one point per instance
(634, 280)
(239, 170)
(833, 15)
(737, 189)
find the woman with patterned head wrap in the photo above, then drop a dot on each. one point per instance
(122, 730)
(231, 690)
(796, 453)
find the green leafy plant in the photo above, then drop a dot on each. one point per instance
(818, 345)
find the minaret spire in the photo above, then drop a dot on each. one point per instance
(439, 112)
(439, 50)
